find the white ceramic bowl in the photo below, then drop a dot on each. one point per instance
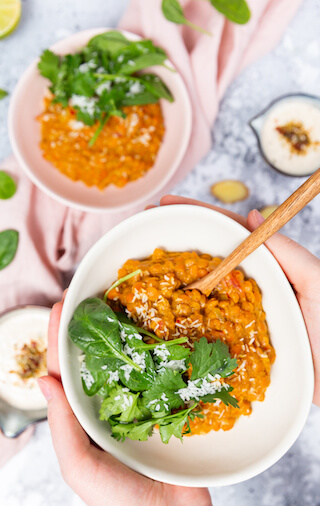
(257, 441)
(24, 131)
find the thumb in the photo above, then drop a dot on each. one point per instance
(297, 262)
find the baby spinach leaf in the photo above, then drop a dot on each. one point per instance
(156, 86)
(3, 94)
(141, 98)
(142, 62)
(93, 381)
(94, 329)
(173, 11)
(7, 186)
(211, 358)
(177, 352)
(162, 394)
(8, 246)
(135, 380)
(112, 42)
(107, 362)
(122, 317)
(235, 10)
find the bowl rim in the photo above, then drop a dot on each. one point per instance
(264, 112)
(223, 479)
(182, 148)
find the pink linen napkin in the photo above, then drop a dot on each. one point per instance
(54, 238)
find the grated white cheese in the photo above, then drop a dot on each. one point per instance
(175, 365)
(85, 67)
(196, 389)
(127, 368)
(86, 104)
(113, 376)
(86, 375)
(106, 85)
(161, 351)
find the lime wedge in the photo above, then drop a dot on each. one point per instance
(10, 12)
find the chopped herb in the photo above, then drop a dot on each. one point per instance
(121, 280)
(102, 78)
(143, 384)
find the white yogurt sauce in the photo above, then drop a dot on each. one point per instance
(277, 149)
(19, 327)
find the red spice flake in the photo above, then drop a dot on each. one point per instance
(296, 135)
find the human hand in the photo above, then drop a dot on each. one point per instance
(300, 266)
(11, 446)
(96, 476)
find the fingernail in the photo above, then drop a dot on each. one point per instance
(44, 387)
(258, 216)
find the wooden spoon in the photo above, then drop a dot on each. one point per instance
(290, 207)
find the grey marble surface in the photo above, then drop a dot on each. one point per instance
(32, 478)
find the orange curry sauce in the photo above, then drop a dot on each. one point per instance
(124, 151)
(233, 313)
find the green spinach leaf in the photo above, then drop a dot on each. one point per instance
(3, 94)
(8, 246)
(234, 10)
(7, 186)
(173, 11)
(94, 329)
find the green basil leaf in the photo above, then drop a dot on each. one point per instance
(234, 10)
(3, 94)
(8, 246)
(7, 186)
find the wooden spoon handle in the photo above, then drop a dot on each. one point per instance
(290, 207)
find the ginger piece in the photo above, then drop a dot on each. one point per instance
(267, 210)
(230, 191)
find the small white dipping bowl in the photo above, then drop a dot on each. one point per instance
(24, 131)
(256, 441)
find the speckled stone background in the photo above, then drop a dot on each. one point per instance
(33, 478)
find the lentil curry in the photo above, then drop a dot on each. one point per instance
(124, 151)
(233, 313)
